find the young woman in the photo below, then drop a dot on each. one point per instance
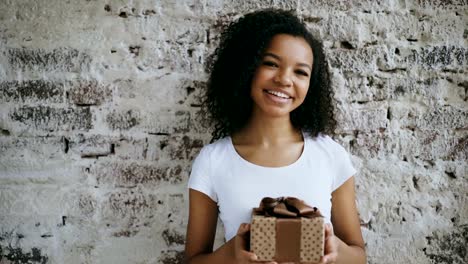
(271, 106)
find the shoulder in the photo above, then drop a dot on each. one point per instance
(216, 148)
(326, 144)
(212, 152)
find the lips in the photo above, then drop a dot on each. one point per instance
(278, 94)
(277, 98)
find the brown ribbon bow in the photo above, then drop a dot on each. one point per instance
(286, 207)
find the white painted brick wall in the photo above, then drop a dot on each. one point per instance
(99, 124)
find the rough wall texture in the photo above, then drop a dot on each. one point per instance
(99, 124)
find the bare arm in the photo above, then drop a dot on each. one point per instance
(346, 227)
(201, 230)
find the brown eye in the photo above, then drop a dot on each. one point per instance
(301, 72)
(270, 64)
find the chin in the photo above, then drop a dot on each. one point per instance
(276, 113)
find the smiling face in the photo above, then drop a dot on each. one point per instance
(282, 79)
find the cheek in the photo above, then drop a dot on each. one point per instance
(263, 74)
(304, 87)
(259, 80)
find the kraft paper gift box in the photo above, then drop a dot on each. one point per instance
(287, 230)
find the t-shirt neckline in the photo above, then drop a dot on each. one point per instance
(251, 164)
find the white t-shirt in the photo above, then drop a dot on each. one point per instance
(237, 185)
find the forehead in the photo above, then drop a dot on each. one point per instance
(290, 48)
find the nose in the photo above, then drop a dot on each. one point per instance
(283, 77)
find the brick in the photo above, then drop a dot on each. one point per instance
(171, 257)
(180, 147)
(406, 114)
(342, 27)
(35, 160)
(440, 26)
(87, 204)
(308, 7)
(458, 149)
(152, 148)
(365, 117)
(362, 89)
(441, 4)
(137, 148)
(84, 93)
(448, 246)
(175, 213)
(371, 144)
(455, 170)
(200, 122)
(437, 57)
(91, 146)
(446, 117)
(116, 250)
(40, 200)
(191, 30)
(440, 90)
(385, 27)
(427, 118)
(59, 59)
(36, 230)
(131, 174)
(376, 6)
(400, 86)
(18, 255)
(356, 60)
(130, 203)
(195, 91)
(32, 148)
(80, 204)
(53, 119)
(172, 237)
(162, 148)
(32, 91)
(432, 145)
(168, 90)
(219, 25)
(168, 121)
(123, 120)
(167, 56)
(142, 212)
(245, 6)
(357, 88)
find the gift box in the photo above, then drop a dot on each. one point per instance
(287, 230)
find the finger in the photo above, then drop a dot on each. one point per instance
(329, 258)
(324, 260)
(250, 256)
(241, 241)
(267, 262)
(254, 258)
(328, 230)
(243, 228)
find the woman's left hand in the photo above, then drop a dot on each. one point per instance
(331, 246)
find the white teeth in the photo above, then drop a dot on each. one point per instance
(279, 94)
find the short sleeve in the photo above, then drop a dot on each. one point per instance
(200, 176)
(344, 169)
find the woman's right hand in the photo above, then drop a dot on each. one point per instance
(241, 240)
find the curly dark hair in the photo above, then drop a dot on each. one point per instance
(227, 100)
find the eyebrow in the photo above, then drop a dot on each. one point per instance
(279, 58)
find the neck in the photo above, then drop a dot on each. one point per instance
(268, 131)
